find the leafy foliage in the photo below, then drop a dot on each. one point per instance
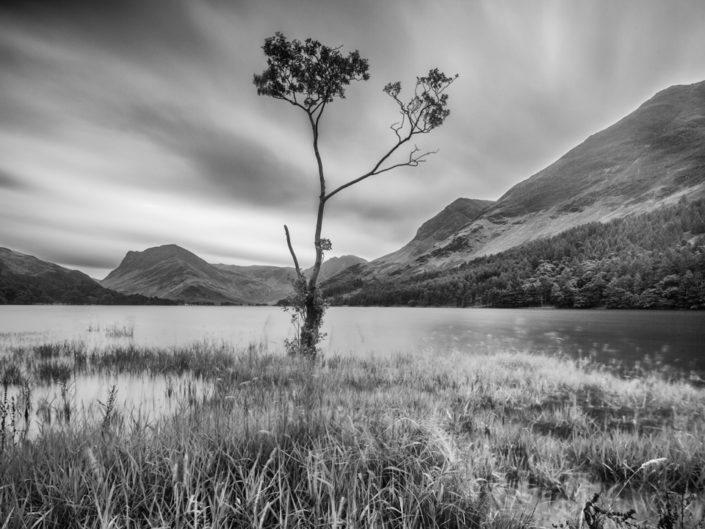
(307, 74)
(297, 304)
(428, 108)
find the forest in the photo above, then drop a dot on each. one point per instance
(653, 260)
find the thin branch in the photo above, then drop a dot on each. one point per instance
(291, 251)
(417, 118)
(399, 125)
(413, 161)
(373, 171)
(319, 108)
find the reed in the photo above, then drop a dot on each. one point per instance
(120, 331)
(404, 441)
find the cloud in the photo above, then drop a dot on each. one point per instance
(132, 28)
(228, 164)
(126, 123)
(11, 182)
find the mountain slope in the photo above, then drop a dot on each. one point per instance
(653, 260)
(171, 272)
(24, 279)
(648, 160)
(335, 265)
(455, 216)
(258, 284)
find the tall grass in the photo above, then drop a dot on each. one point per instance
(405, 441)
(120, 331)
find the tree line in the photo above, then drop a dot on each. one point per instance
(654, 260)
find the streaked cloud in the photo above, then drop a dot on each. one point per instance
(126, 124)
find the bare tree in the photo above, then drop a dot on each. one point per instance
(310, 75)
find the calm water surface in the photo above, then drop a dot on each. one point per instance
(674, 338)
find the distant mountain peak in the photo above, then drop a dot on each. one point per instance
(172, 272)
(153, 256)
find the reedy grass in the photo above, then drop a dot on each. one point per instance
(405, 441)
(209, 467)
(119, 331)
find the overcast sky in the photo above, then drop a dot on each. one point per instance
(126, 124)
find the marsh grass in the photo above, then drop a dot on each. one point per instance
(56, 363)
(120, 331)
(406, 441)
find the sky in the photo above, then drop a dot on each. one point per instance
(127, 124)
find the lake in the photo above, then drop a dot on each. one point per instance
(672, 338)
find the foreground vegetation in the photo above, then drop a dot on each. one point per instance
(405, 441)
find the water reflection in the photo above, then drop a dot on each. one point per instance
(672, 338)
(84, 399)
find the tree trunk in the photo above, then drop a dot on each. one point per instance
(313, 304)
(313, 316)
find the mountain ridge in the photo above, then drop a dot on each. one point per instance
(648, 159)
(453, 217)
(172, 272)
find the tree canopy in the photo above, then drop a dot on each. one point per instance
(307, 74)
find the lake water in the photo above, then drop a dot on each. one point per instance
(673, 338)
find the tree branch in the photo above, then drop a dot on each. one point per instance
(413, 161)
(293, 254)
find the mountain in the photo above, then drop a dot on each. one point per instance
(646, 161)
(171, 272)
(24, 279)
(336, 265)
(455, 216)
(649, 159)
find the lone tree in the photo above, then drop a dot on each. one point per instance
(310, 75)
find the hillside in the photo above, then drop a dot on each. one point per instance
(26, 280)
(335, 265)
(454, 217)
(648, 160)
(653, 260)
(259, 284)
